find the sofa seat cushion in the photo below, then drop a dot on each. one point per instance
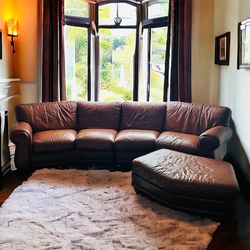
(97, 139)
(136, 140)
(178, 141)
(54, 140)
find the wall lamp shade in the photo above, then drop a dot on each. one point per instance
(12, 32)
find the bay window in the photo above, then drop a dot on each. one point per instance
(115, 50)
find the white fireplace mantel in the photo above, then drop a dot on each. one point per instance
(8, 80)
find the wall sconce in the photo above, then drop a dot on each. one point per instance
(12, 32)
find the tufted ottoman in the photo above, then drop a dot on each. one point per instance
(186, 182)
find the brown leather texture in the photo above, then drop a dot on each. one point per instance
(54, 140)
(178, 141)
(126, 157)
(21, 127)
(48, 115)
(22, 137)
(98, 115)
(96, 139)
(188, 175)
(195, 119)
(214, 209)
(43, 128)
(215, 136)
(66, 158)
(138, 140)
(94, 156)
(146, 116)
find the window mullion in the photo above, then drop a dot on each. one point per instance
(136, 57)
(149, 65)
(77, 21)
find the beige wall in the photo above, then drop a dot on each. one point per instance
(6, 64)
(205, 75)
(223, 85)
(235, 84)
(26, 64)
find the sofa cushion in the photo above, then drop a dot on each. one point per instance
(48, 115)
(146, 116)
(98, 115)
(54, 140)
(138, 140)
(195, 119)
(178, 141)
(96, 139)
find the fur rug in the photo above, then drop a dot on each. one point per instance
(95, 209)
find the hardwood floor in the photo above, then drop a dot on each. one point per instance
(230, 235)
(10, 182)
(234, 235)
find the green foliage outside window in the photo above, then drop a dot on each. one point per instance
(76, 8)
(158, 53)
(76, 62)
(117, 48)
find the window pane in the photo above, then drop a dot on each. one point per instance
(157, 63)
(108, 12)
(76, 62)
(117, 48)
(158, 9)
(76, 8)
(158, 46)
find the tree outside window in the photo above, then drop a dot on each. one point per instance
(117, 50)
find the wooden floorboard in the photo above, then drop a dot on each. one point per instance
(10, 182)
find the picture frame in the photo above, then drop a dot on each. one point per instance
(1, 46)
(222, 49)
(243, 57)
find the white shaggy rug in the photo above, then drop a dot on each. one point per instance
(95, 209)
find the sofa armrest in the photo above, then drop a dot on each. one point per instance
(215, 136)
(213, 139)
(21, 136)
(21, 128)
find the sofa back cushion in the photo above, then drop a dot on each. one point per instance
(195, 119)
(146, 116)
(98, 115)
(48, 115)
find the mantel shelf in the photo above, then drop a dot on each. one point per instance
(7, 80)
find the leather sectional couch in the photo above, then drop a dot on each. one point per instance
(56, 133)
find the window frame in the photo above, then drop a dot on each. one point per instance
(150, 24)
(136, 55)
(82, 22)
(142, 23)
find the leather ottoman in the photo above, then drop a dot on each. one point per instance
(189, 183)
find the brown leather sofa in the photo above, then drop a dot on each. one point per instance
(56, 133)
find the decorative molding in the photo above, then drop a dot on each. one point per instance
(8, 80)
(9, 89)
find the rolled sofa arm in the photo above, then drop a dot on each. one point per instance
(213, 142)
(21, 136)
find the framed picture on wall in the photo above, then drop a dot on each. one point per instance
(1, 46)
(222, 49)
(244, 44)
